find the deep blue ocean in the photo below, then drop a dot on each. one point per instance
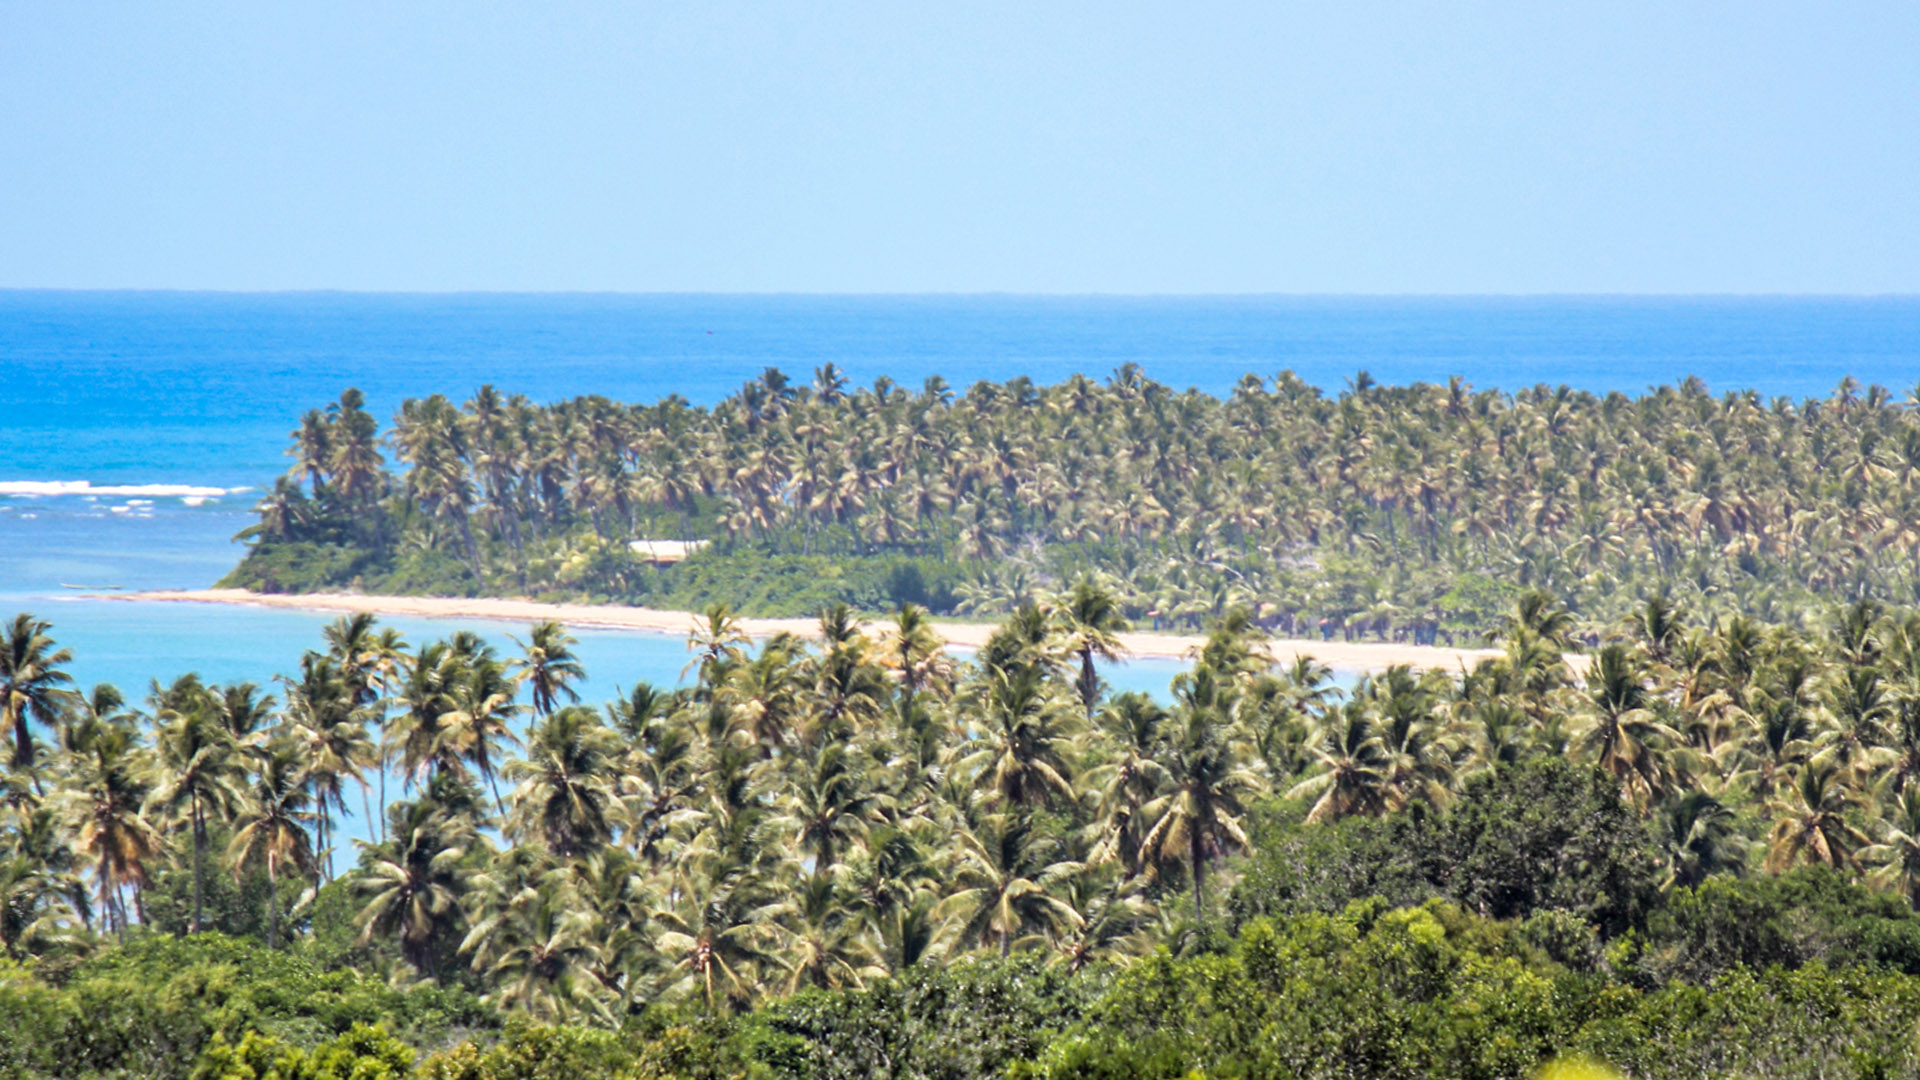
(163, 414)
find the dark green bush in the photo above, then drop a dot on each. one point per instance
(1539, 836)
(959, 1023)
(151, 1007)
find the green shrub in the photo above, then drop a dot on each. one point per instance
(363, 1053)
(530, 1052)
(966, 1022)
(149, 1008)
(1539, 836)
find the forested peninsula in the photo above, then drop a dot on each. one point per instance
(1416, 513)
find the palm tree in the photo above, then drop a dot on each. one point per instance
(199, 770)
(355, 647)
(1355, 770)
(716, 640)
(847, 691)
(1660, 623)
(912, 650)
(1115, 924)
(1023, 744)
(1004, 883)
(764, 695)
(665, 773)
(32, 914)
(1133, 722)
(632, 713)
(271, 829)
(539, 948)
(828, 804)
(479, 706)
(548, 666)
(332, 732)
(1780, 741)
(103, 808)
(715, 940)
(370, 659)
(413, 883)
(1199, 821)
(891, 884)
(1090, 621)
(566, 783)
(415, 737)
(33, 681)
(1811, 825)
(1622, 735)
(1858, 738)
(1896, 858)
(244, 711)
(1413, 733)
(309, 449)
(353, 454)
(1699, 838)
(1236, 645)
(384, 663)
(1537, 614)
(824, 946)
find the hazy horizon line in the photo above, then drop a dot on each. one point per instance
(956, 294)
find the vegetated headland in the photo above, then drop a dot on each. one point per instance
(1408, 514)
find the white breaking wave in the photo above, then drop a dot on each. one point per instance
(87, 487)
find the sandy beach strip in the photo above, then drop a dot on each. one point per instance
(1352, 656)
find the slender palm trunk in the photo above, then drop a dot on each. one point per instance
(23, 748)
(473, 550)
(1199, 876)
(486, 770)
(366, 806)
(1089, 681)
(109, 914)
(384, 763)
(273, 903)
(22, 738)
(199, 865)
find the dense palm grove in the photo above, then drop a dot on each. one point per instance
(1694, 851)
(1409, 512)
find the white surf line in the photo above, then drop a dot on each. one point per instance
(60, 488)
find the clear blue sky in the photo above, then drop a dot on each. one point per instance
(1035, 147)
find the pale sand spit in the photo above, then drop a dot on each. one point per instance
(1348, 656)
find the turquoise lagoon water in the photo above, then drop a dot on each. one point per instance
(137, 428)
